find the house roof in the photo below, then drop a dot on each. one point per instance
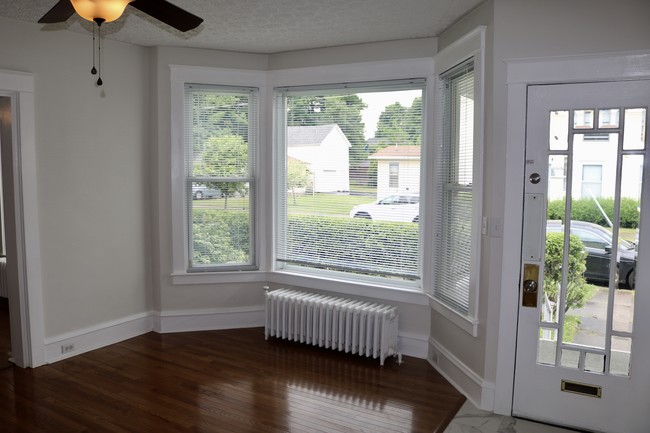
(397, 152)
(302, 136)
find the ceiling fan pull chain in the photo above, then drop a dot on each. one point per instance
(93, 70)
(99, 54)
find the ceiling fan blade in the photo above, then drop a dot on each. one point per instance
(59, 13)
(168, 13)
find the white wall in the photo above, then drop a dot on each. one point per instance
(92, 157)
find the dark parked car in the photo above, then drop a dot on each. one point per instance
(598, 243)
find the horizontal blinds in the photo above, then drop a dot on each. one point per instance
(349, 184)
(220, 179)
(453, 207)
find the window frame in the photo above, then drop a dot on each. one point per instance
(470, 46)
(179, 77)
(337, 75)
(281, 154)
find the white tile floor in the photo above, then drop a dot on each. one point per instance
(469, 419)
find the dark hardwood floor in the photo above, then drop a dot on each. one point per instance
(224, 381)
(5, 335)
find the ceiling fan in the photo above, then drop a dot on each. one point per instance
(103, 11)
(110, 10)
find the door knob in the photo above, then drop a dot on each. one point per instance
(530, 286)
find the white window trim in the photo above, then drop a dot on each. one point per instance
(179, 76)
(266, 81)
(359, 73)
(472, 45)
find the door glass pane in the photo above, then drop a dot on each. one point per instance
(557, 166)
(547, 346)
(608, 118)
(620, 358)
(559, 130)
(583, 119)
(635, 129)
(570, 358)
(595, 362)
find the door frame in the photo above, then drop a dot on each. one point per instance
(520, 74)
(25, 297)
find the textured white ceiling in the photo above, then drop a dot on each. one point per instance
(269, 26)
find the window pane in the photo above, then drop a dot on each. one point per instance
(349, 187)
(220, 125)
(454, 206)
(559, 130)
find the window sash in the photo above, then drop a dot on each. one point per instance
(220, 238)
(341, 254)
(454, 207)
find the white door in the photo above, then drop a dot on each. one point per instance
(583, 337)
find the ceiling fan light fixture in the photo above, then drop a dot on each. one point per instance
(102, 10)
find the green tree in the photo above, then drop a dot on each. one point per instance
(577, 291)
(217, 115)
(224, 157)
(399, 125)
(298, 176)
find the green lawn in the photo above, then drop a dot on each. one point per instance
(305, 204)
(326, 204)
(627, 234)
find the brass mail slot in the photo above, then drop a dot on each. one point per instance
(582, 388)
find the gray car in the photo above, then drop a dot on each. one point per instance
(200, 192)
(598, 243)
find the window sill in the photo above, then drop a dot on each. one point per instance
(294, 279)
(189, 278)
(465, 323)
(347, 287)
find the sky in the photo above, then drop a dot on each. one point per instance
(377, 101)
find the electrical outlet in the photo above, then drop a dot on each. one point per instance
(66, 348)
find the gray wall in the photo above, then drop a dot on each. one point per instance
(92, 166)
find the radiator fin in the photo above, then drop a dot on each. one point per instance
(352, 326)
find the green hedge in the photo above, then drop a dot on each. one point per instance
(220, 236)
(585, 209)
(375, 247)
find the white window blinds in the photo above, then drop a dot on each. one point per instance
(454, 230)
(220, 132)
(348, 163)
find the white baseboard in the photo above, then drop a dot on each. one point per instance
(94, 337)
(414, 345)
(478, 391)
(104, 334)
(206, 320)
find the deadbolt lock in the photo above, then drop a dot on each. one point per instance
(529, 286)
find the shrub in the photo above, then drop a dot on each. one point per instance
(585, 209)
(338, 243)
(220, 236)
(578, 291)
